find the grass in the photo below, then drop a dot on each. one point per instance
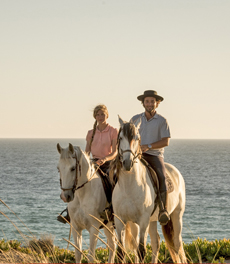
(43, 250)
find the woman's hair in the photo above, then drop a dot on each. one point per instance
(104, 109)
(101, 107)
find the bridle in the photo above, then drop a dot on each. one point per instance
(78, 169)
(135, 155)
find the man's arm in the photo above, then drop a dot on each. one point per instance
(164, 142)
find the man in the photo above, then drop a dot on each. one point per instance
(155, 135)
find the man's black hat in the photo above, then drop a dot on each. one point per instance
(150, 93)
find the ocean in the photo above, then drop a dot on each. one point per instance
(29, 185)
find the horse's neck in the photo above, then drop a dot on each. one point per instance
(90, 181)
(86, 171)
(136, 177)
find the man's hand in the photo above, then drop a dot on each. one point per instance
(164, 142)
(144, 148)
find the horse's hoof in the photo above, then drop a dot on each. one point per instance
(120, 254)
(141, 252)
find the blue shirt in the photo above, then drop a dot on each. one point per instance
(153, 130)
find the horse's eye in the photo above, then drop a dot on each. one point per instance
(120, 138)
(73, 169)
(58, 169)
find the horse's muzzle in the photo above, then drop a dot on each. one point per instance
(62, 196)
(67, 196)
(127, 165)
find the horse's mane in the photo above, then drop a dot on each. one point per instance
(128, 131)
(115, 167)
(79, 152)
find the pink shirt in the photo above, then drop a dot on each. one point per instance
(102, 141)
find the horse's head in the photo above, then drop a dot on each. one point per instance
(129, 143)
(69, 167)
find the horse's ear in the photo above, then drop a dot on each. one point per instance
(137, 123)
(71, 148)
(121, 121)
(59, 148)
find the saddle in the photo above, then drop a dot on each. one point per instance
(154, 178)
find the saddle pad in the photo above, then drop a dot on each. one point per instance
(169, 184)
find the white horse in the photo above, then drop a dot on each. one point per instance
(134, 198)
(83, 190)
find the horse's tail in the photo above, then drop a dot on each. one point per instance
(177, 253)
(168, 233)
(130, 242)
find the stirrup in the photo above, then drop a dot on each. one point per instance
(163, 217)
(107, 213)
(63, 219)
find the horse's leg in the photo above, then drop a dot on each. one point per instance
(155, 241)
(143, 237)
(110, 234)
(135, 240)
(176, 218)
(93, 233)
(120, 227)
(77, 236)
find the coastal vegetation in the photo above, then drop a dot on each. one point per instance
(43, 251)
(33, 250)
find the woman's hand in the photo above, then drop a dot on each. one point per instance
(101, 161)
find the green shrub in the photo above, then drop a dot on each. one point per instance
(208, 251)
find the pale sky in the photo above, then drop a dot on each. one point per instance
(59, 59)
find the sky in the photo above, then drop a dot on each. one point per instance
(59, 59)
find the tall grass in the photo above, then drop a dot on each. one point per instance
(31, 249)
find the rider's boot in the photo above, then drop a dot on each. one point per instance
(64, 219)
(163, 216)
(107, 213)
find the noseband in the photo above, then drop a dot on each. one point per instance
(77, 168)
(135, 156)
(129, 150)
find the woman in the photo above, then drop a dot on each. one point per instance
(102, 139)
(101, 142)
